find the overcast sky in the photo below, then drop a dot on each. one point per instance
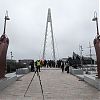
(72, 25)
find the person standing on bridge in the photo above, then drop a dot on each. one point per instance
(62, 66)
(67, 67)
(32, 65)
(38, 65)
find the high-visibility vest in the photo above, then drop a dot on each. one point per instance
(38, 63)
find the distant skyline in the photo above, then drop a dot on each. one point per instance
(72, 26)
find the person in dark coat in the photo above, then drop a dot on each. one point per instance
(62, 66)
(67, 68)
(32, 66)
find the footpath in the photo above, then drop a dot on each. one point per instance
(56, 86)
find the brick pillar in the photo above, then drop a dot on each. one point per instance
(97, 49)
(3, 51)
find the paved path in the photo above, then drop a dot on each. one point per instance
(56, 86)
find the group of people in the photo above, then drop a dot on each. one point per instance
(35, 66)
(49, 63)
(65, 67)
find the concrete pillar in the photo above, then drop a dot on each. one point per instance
(4, 42)
(97, 49)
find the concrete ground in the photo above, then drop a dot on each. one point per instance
(56, 86)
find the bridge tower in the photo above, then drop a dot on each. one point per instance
(49, 20)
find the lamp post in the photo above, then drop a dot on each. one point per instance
(90, 56)
(81, 49)
(97, 44)
(11, 55)
(96, 19)
(6, 18)
(11, 60)
(4, 43)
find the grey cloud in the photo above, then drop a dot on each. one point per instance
(72, 25)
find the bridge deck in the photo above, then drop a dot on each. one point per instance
(56, 86)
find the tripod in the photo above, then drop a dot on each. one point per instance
(36, 71)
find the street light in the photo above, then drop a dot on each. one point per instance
(11, 55)
(6, 18)
(97, 44)
(96, 19)
(11, 60)
(81, 49)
